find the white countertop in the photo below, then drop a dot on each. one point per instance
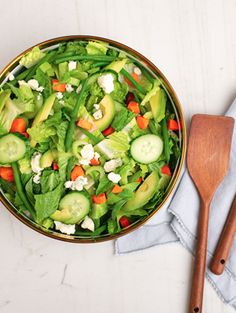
(194, 44)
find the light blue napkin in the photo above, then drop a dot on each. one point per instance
(177, 221)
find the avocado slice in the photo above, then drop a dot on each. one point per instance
(158, 104)
(107, 106)
(116, 66)
(43, 113)
(144, 193)
(47, 158)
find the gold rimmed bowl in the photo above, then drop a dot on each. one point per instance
(15, 68)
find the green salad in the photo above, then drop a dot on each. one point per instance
(89, 139)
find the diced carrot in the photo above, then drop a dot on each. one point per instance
(134, 107)
(94, 161)
(84, 124)
(129, 97)
(135, 77)
(100, 198)
(18, 125)
(109, 130)
(56, 86)
(76, 172)
(166, 170)
(7, 173)
(55, 166)
(139, 180)
(116, 189)
(173, 125)
(124, 222)
(142, 122)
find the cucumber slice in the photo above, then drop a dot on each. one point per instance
(147, 148)
(73, 208)
(12, 148)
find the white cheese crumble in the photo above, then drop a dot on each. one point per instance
(137, 70)
(96, 106)
(34, 84)
(39, 97)
(97, 115)
(40, 89)
(84, 162)
(72, 65)
(106, 82)
(96, 156)
(36, 178)
(62, 102)
(88, 224)
(69, 88)
(111, 165)
(77, 184)
(79, 89)
(36, 168)
(87, 152)
(35, 163)
(113, 177)
(59, 95)
(11, 77)
(64, 228)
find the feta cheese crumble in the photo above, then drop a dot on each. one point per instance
(36, 168)
(59, 95)
(88, 224)
(137, 70)
(40, 89)
(36, 178)
(96, 156)
(113, 177)
(106, 82)
(64, 228)
(87, 152)
(72, 65)
(97, 115)
(69, 88)
(96, 106)
(77, 184)
(34, 84)
(111, 165)
(35, 163)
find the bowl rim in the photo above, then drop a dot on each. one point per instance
(47, 43)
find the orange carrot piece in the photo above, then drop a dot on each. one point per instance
(76, 172)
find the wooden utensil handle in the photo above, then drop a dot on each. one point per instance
(200, 260)
(226, 240)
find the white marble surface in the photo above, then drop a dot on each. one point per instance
(194, 43)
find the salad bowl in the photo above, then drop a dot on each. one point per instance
(92, 138)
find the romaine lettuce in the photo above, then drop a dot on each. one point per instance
(32, 57)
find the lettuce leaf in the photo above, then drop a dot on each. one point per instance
(32, 57)
(8, 112)
(120, 91)
(122, 119)
(151, 93)
(41, 132)
(46, 204)
(49, 180)
(96, 47)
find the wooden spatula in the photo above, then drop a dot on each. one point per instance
(226, 240)
(207, 161)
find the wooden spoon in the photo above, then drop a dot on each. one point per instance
(207, 161)
(226, 240)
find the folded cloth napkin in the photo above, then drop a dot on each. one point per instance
(177, 221)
